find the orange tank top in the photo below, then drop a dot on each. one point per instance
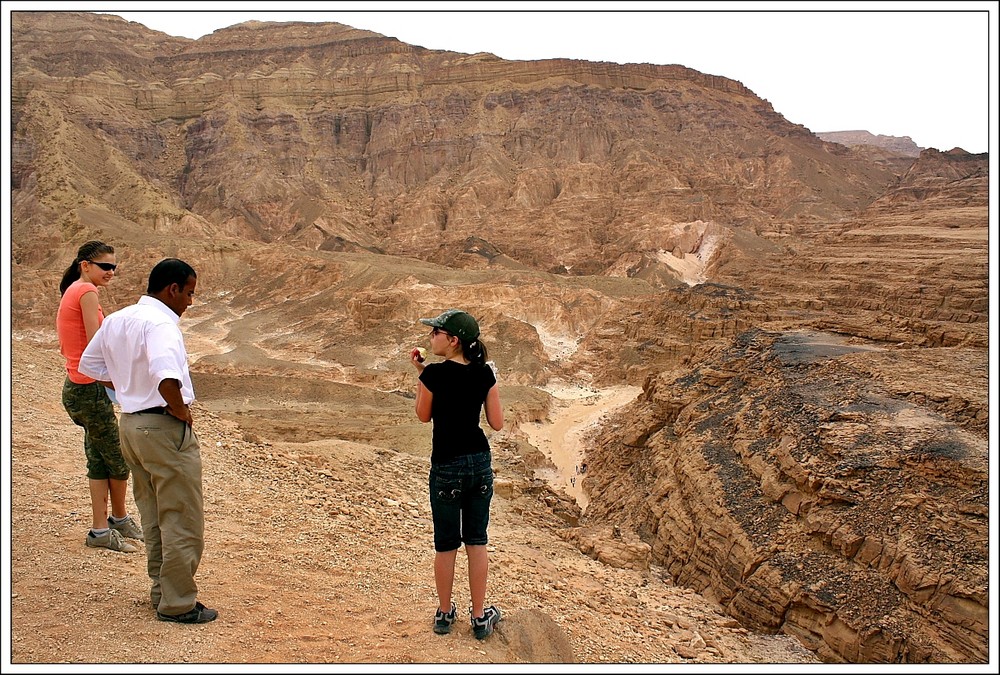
(71, 329)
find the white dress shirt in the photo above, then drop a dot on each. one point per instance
(136, 348)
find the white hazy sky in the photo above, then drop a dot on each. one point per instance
(917, 69)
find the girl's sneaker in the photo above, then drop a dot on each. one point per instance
(442, 621)
(483, 626)
(126, 528)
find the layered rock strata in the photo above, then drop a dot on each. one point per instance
(809, 497)
(331, 138)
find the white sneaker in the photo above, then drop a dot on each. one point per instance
(127, 528)
(110, 539)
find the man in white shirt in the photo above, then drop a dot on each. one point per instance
(139, 350)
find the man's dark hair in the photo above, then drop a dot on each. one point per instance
(169, 271)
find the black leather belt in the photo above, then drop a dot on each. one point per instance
(159, 410)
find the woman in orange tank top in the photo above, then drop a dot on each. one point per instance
(87, 401)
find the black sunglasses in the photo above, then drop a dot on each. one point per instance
(435, 331)
(107, 267)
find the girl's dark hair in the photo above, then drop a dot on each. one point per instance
(474, 351)
(88, 251)
(169, 271)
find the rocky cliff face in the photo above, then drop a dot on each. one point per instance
(815, 485)
(331, 138)
(809, 323)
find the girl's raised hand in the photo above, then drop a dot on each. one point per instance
(417, 357)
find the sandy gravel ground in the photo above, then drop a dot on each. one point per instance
(320, 553)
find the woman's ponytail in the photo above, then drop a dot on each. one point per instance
(71, 274)
(475, 351)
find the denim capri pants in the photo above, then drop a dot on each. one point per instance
(460, 492)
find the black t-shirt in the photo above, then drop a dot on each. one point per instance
(459, 394)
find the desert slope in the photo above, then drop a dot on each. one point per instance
(320, 552)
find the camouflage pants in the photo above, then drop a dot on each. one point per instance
(88, 406)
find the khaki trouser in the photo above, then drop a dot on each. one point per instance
(165, 458)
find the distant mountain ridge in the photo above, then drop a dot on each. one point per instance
(326, 137)
(902, 145)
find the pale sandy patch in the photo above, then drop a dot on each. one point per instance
(557, 346)
(692, 266)
(578, 411)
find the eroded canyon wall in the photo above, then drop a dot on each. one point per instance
(796, 478)
(327, 137)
